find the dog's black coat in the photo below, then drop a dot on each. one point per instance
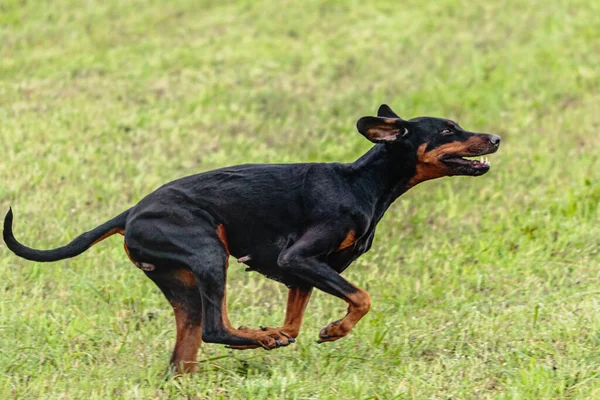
(300, 224)
(262, 207)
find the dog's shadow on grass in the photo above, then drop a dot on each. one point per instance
(230, 365)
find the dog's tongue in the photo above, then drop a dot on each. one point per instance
(480, 163)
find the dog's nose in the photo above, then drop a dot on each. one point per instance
(495, 139)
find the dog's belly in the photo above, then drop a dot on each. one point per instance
(263, 259)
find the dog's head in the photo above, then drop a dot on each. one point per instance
(440, 145)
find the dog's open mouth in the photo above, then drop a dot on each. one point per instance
(467, 165)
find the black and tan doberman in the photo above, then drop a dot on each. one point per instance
(299, 224)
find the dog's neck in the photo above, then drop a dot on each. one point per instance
(385, 172)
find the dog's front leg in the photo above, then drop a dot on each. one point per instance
(296, 304)
(304, 260)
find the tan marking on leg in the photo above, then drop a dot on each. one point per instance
(349, 240)
(188, 341)
(258, 336)
(223, 238)
(359, 305)
(226, 321)
(185, 276)
(296, 305)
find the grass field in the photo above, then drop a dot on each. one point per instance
(482, 288)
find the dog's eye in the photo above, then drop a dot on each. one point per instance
(446, 132)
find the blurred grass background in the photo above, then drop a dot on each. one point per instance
(482, 288)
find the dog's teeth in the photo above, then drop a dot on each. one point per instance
(481, 160)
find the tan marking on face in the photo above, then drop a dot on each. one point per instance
(349, 240)
(429, 165)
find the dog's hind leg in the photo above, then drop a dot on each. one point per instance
(180, 289)
(196, 285)
(209, 266)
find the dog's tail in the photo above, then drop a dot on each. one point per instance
(80, 244)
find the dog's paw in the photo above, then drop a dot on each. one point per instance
(332, 332)
(267, 338)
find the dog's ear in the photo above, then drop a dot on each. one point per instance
(383, 130)
(386, 111)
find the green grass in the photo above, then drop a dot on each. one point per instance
(482, 288)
